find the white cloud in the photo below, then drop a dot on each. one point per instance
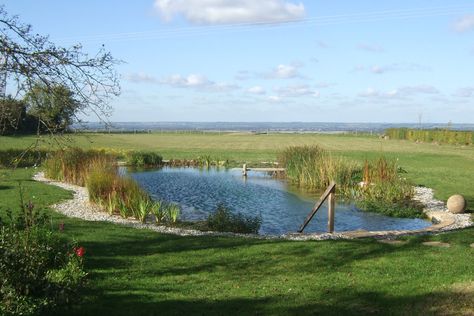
(465, 92)
(395, 67)
(370, 93)
(464, 24)
(400, 93)
(256, 90)
(235, 11)
(324, 84)
(274, 98)
(297, 91)
(197, 81)
(374, 48)
(140, 77)
(284, 72)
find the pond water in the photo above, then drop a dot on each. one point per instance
(282, 207)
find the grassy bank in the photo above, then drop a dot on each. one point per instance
(146, 273)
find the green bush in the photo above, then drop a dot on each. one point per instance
(223, 220)
(144, 159)
(38, 269)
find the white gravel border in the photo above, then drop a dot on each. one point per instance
(80, 207)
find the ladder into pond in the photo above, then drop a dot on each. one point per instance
(330, 195)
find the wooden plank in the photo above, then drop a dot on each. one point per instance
(318, 204)
(331, 210)
(266, 169)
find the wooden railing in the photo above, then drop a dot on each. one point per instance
(331, 194)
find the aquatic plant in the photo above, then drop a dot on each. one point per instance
(158, 211)
(376, 187)
(172, 211)
(314, 168)
(143, 159)
(223, 220)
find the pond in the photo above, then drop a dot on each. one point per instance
(282, 207)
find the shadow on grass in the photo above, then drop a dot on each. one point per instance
(335, 302)
(140, 272)
(5, 187)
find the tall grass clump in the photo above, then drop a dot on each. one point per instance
(73, 165)
(144, 159)
(383, 190)
(314, 168)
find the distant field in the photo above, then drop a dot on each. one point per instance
(448, 169)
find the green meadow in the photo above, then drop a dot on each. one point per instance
(147, 273)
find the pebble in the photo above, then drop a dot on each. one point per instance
(80, 207)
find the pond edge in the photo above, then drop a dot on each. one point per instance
(80, 207)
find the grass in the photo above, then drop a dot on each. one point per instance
(432, 135)
(146, 273)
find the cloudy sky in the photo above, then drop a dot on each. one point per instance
(276, 60)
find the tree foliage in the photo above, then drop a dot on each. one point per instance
(30, 59)
(54, 107)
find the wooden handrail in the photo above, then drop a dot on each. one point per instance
(330, 192)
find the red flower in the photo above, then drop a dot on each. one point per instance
(80, 251)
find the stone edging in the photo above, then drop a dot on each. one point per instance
(80, 207)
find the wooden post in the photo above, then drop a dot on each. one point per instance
(328, 193)
(331, 209)
(244, 170)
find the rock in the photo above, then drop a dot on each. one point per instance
(472, 245)
(456, 204)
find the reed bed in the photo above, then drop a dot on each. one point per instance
(115, 193)
(314, 168)
(443, 136)
(376, 186)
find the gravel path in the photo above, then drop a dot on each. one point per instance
(80, 207)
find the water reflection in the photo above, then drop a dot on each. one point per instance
(282, 208)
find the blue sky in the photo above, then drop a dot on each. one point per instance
(276, 60)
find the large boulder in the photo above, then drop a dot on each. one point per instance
(456, 204)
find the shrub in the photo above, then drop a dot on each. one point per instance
(144, 159)
(223, 220)
(38, 269)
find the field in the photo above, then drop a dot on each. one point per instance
(446, 168)
(146, 273)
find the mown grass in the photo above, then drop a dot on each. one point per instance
(145, 273)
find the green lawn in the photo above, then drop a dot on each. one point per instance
(146, 273)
